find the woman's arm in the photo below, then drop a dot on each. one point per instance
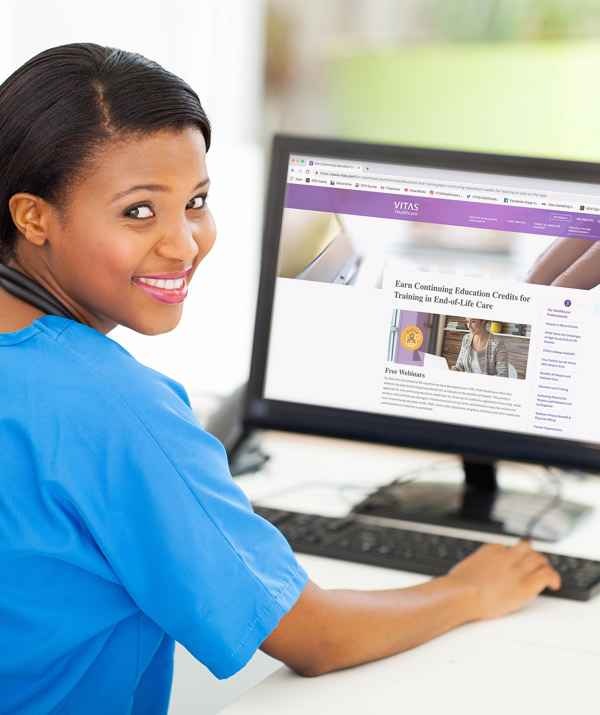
(330, 630)
(500, 358)
(462, 361)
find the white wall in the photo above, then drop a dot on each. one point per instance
(217, 46)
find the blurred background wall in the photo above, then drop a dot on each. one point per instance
(511, 76)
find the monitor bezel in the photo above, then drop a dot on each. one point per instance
(467, 441)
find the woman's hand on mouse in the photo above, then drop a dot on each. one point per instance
(505, 578)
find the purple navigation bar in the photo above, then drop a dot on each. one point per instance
(518, 219)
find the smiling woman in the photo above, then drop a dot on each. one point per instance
(121, 529)
(105, 171)
(113, 251)
(481, 351)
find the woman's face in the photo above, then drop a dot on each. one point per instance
(475, 325)
(133, 233)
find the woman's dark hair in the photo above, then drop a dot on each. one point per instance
(60, 106)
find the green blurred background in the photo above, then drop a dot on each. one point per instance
(507, 76)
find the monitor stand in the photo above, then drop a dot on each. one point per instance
(478, 504)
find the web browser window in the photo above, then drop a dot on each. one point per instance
(407, 291)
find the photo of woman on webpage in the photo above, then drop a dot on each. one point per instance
(481, 351)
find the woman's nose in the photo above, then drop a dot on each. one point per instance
(179, 243)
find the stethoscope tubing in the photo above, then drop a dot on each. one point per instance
(31, 292)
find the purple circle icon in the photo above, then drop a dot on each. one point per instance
(567, 303)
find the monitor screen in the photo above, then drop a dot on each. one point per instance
(435, 299)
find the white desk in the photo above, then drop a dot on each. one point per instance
(542, 659)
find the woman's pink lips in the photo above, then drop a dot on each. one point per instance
(165, 295)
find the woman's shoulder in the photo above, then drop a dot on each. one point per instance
(87, 362)
(495, 340)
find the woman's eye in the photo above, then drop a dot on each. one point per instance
(197, 202)
(139, 212)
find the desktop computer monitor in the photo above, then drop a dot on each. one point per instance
(434, 299)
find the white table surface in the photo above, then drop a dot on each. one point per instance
(543, 659)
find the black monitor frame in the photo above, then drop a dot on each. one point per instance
(477, 446)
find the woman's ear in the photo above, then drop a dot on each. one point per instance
(31, 216)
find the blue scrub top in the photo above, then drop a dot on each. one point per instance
(120, 530)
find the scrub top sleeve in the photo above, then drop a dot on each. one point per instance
(181, 537)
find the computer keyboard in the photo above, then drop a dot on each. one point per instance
(358, 538)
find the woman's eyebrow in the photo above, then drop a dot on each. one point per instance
(152, 187)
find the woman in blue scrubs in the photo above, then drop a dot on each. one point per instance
(120, 527)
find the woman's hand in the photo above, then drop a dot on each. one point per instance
(329, 630)
(504, 578)
(568, 262)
